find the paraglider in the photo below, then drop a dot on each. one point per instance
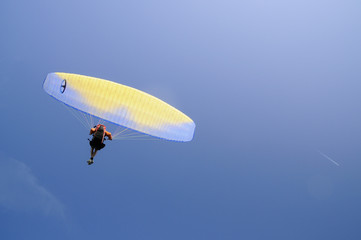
(99, 133)
(132, 110)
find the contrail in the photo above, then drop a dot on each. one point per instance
(328, 158)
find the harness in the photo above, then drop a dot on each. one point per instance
(99, 132)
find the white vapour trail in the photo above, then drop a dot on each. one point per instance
(327, 157)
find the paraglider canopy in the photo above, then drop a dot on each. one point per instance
(119, 104)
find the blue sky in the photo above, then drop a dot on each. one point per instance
(273, 87)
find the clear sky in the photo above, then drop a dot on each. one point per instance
(272, 85)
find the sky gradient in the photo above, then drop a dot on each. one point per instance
(274, 90)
